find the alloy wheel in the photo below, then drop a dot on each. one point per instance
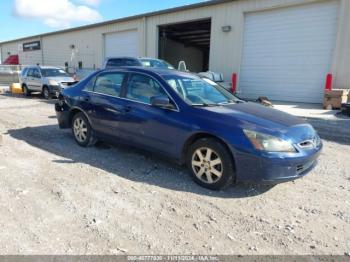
(207, 165)
(46, 93)
(80, 130)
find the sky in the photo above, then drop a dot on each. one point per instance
(21, 18)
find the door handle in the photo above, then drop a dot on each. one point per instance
(127, 109)
(124, 109)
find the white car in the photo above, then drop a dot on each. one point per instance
(47, 80)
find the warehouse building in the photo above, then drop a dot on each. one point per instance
(282, 49)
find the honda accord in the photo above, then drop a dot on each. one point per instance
(194, 121)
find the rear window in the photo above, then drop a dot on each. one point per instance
(118, 62)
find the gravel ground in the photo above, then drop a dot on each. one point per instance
(58, 198)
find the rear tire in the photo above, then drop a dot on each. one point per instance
(211, 164)
(46, 93)
(82, 131)
(26, 91)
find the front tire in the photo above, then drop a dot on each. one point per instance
(46, 93)
(26, 91)
(211, 164)
(82, 131)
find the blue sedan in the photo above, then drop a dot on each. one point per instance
(221, 138)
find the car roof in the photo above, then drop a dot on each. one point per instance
(121, 57)
(150, 58)
(158, 71)
(42, 67)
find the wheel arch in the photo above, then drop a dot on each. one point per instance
(44, 86)
(200, 135)
(73, 112)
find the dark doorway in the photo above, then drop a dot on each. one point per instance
(189, 42)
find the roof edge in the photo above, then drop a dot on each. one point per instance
(124, 19)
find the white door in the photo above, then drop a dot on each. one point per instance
(288, 52)
(123, 43)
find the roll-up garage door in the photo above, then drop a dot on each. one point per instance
(288, 52)
(123, 43)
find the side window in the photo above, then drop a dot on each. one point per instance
(109, 84)
(35, 73)
(141, 88)
(30, 72)
(90, 86)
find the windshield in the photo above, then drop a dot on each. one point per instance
(198, 92)
(157, 63)
(53, 72)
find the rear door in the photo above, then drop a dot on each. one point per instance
(106, 108)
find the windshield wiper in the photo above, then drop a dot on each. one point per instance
(228, 102)
(205, 105)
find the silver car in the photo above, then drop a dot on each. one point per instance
(47, 80)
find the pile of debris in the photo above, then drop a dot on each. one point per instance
(334, 99)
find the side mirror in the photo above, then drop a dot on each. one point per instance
(161, 101)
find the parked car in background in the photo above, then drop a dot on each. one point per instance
(179, 115)
(156, 63)
(9, 74)
(115, 62)
(47, 80)
(80, 73)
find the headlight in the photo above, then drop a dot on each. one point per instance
(269, 143)
(53, 83)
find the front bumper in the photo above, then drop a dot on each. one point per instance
(55, 90)
(274, 169)
(63, 116)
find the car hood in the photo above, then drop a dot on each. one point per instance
(248, 113)
(61, 79)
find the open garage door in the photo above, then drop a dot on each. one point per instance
(122, 44)
(288, 52)
(188, 41)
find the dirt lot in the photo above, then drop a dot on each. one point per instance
(58, 198)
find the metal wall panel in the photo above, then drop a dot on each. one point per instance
(287, 52)
(226, 48)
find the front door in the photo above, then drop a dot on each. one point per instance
(35, 80)
(148, 126)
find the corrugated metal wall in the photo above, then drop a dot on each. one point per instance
(226, 48)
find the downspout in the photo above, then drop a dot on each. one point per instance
(42, 50)
(144, 19)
